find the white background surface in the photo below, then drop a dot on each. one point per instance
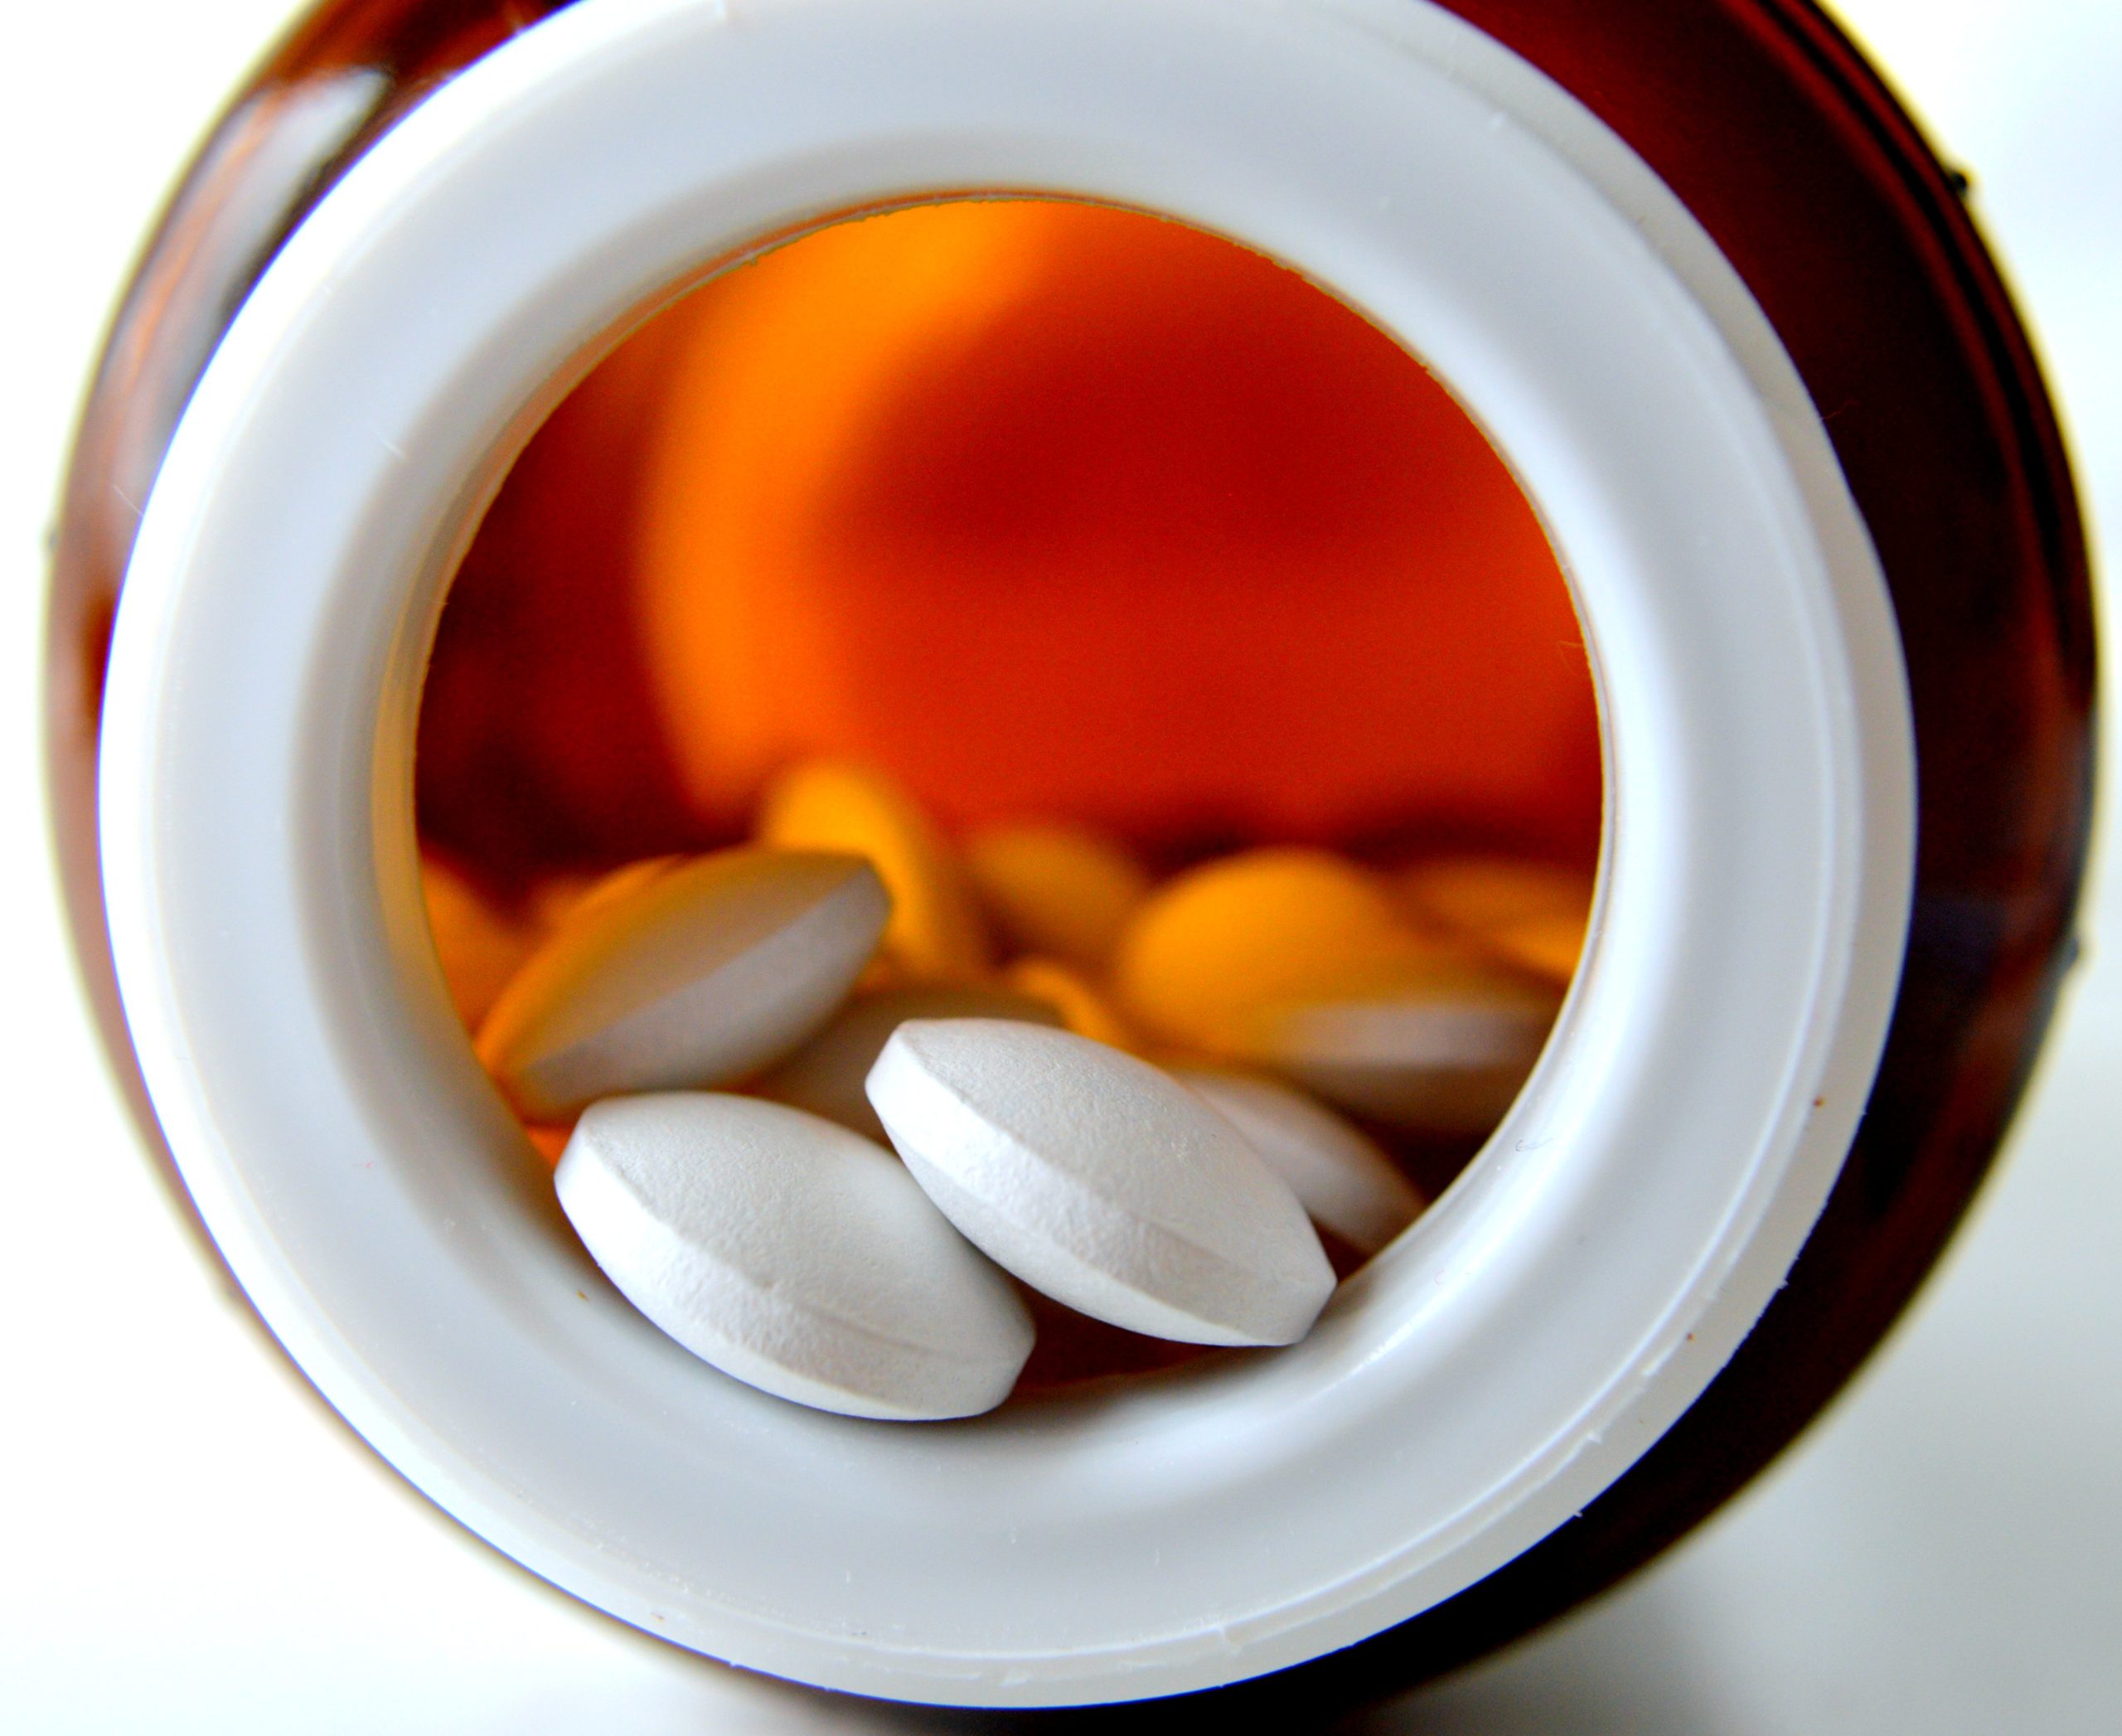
(190, 1544)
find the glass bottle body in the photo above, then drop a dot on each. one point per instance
(1853, 240)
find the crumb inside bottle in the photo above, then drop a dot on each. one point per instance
(1147, 600)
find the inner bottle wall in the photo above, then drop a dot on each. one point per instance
(1046, 511)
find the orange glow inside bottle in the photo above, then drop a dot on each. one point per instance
(1051, 512)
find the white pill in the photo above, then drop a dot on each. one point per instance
(1337, 1172)
(825, 1076)
(1448, 1064)
(704, 973)
(791, 1255)
(1100, 1180)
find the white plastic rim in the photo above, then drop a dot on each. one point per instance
(1478, 1383)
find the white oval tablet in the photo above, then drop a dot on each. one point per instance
(1445, 1064)
(792, 1254)
(1337, 1171)
(825, 1076)
(1100, 1180)
(704, 972)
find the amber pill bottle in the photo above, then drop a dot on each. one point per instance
(1597, 435)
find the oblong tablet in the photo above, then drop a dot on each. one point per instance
(564, 897)
(1543, 946)
(1214, 948)
(479, 947)
(1100, 1180)
(1338, 1173)
(791, 1255)
(1530, 915)
(1061, 890)
(825, 1076)
(1474, 893)
(1446, 1059)
(936, 929)
(701, 974)
(1083, 1009)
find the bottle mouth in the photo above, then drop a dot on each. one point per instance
(1066, 523)
(1511, 1355)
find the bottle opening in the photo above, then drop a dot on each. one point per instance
(1175, 605)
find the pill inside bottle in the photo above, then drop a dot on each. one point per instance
(1164, 632)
